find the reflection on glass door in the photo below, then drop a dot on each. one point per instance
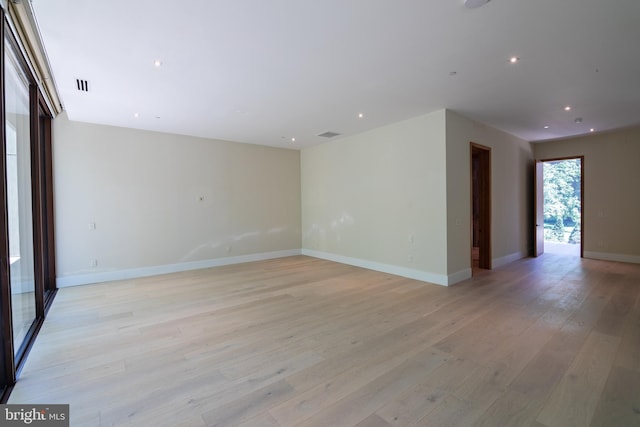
(19, 200)
(27, 241)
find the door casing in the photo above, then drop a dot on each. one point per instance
(481, 201)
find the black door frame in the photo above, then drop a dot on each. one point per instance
(11, 361)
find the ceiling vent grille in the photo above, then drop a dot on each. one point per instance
(82, 85)
(328, 134)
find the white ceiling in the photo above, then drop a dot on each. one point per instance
(264, 71)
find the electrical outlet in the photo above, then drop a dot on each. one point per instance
(94, 263)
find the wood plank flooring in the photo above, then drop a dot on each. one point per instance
(551, 341)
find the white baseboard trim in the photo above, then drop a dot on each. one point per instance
(459, 276)
(109, 276)
(424, 276)
(507, 259)
(607, 256)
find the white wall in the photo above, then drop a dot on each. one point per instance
(511, 192)
(394, 199)
(611, 205)
(365, 197)
(142, 190)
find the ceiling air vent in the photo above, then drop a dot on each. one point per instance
(82, 85)
(328, 134)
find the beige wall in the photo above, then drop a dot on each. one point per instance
(394, 199)
(378, 199)
(611, 205)
(511, 186)
(397, 198)
(142, 190)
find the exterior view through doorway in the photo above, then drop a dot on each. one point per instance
(559, 200)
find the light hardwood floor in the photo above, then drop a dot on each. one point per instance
(552, 341)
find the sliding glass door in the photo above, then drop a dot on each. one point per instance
(19, 199)
(27, 262)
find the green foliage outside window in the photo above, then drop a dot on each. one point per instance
(562, 201)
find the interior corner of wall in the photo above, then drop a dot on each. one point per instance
(458, 276)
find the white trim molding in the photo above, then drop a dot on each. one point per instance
(109, 276)
(24, 26)
(607, 256)
(424, 276)
(459, 276)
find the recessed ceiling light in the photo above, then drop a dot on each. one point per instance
(136, 115)
(472, 4)
(514, 59)
(157, 63)
(546, 127)
(592, 130)
(360, 115)
(293, 140)
(567, 108)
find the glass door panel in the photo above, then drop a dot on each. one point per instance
(19, 199)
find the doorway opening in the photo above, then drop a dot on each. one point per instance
(480, 207)
(559, 196)
(563, 206)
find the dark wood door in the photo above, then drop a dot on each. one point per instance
(481, 203)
